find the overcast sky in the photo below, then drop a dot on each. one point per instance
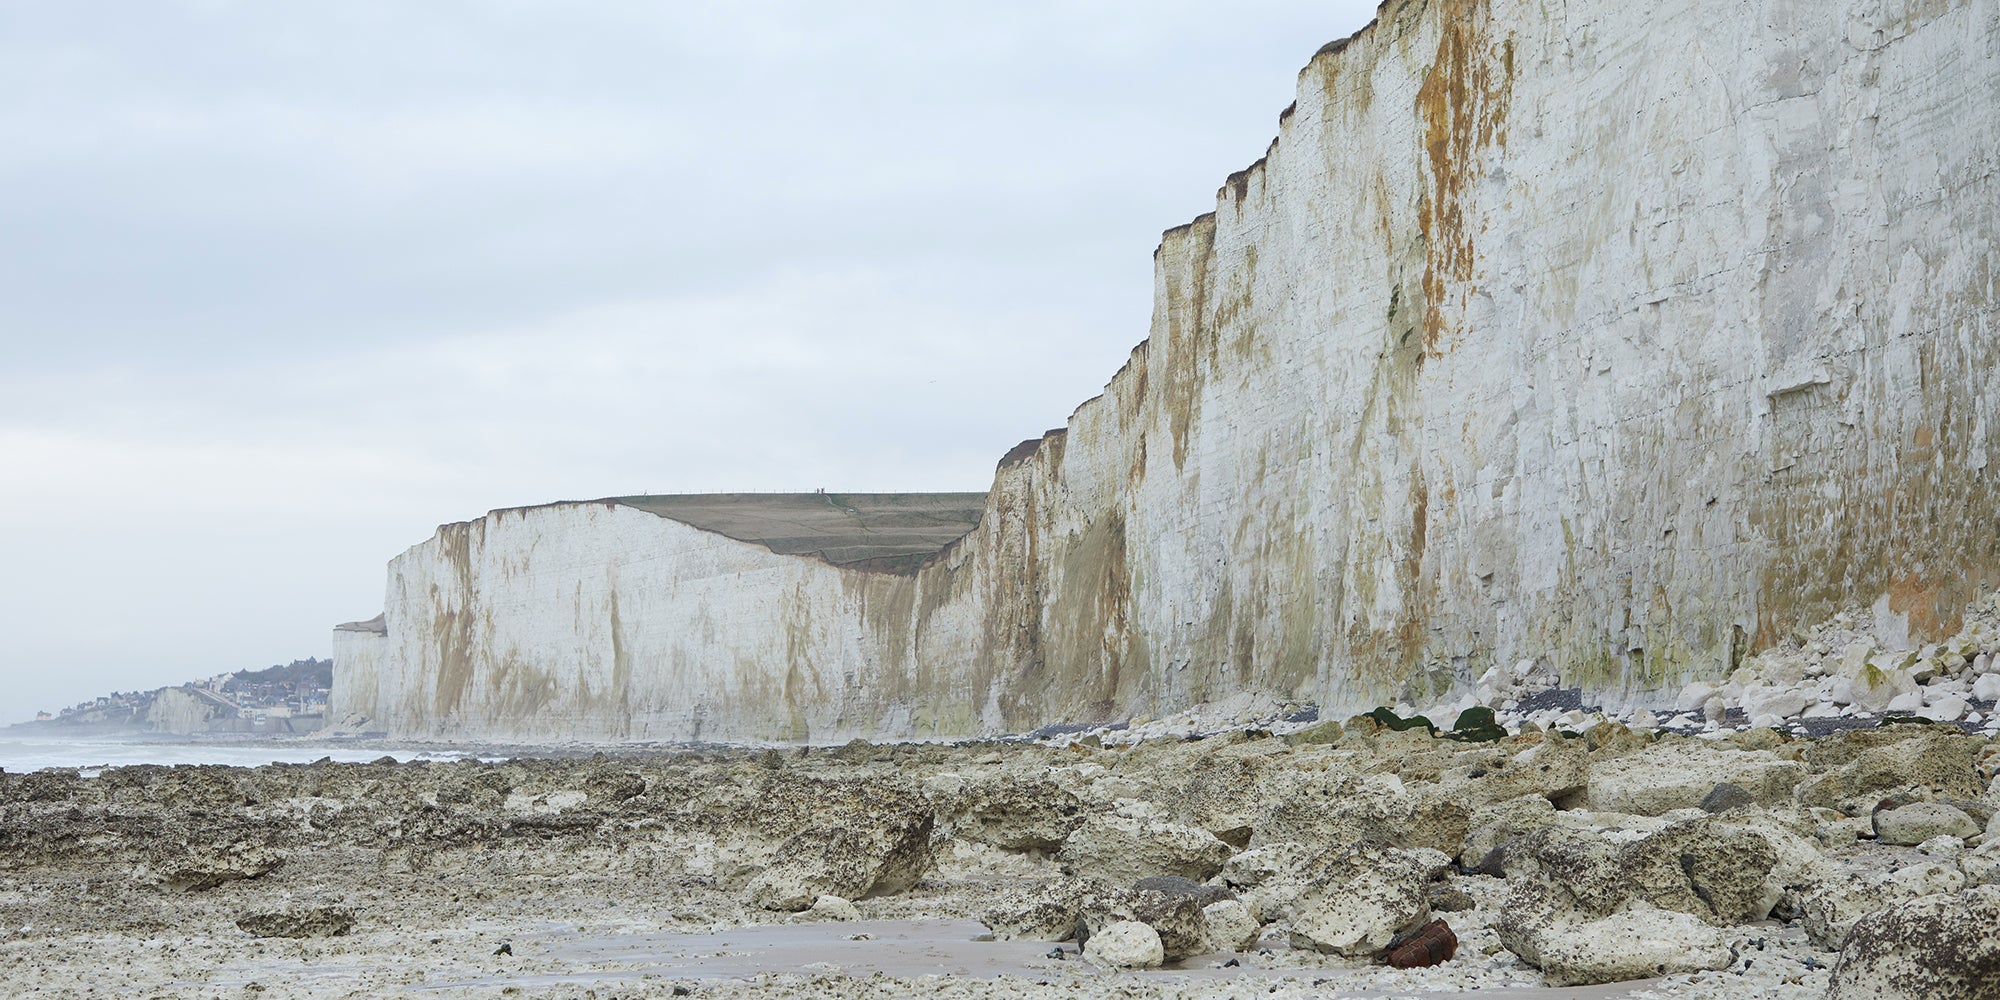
(285, 285)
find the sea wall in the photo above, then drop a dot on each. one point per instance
(1629, 337)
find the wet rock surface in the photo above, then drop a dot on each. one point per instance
(418, 873)
(298, 922)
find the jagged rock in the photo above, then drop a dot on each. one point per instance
(1708, 870)
(1354, 902)
(1177, 918)
(1043, 911)
(784, 888)
(614, 787)
(1266, 878)
(1944, 848)
(1556, 875)
(1493, 825)
(1981, 810)
(1178, 885)
(1550, 766)
(1569, 892)
(1438, 821)
(1328, 732)
(1800, 865)
(1450, 899)
(1337, 809)
(1126, 944)
(1225, 791)
(1123, 849)
(197, 869)
(1231, 925)
(1725, 797)
(1914, 824)
(1851, 891)
(1869, 762)
(1981, 865)
(1680, 775)
(1932, 948)
(1016, 815)
(298, 922)
(882, 854)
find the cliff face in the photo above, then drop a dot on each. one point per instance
(1628, 336)
(180, 711)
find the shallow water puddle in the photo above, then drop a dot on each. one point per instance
(899, 948)
(857, 948)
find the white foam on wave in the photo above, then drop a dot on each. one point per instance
(23, 755)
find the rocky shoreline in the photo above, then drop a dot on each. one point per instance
(1729, 863)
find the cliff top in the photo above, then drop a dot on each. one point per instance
(377, 625)
(882, 531)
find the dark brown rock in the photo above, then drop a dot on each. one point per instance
(1432, 944)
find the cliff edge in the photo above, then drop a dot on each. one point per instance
(1626, 337)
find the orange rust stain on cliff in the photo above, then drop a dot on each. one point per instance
(1186, 274)
(1462, 106)
(454, 621)
(1415, 615)
(1923, 600)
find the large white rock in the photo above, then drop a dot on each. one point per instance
(1231, 925)
(1772, 702)
(1945, 709)
(1127, 944)
(1636, 944)
(1694, 695)
(1987, 687)
(1880, 685)
(1124, 849)
(1914, 824)
(1360, 914)
(1679, 775)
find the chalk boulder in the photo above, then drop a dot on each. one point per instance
(1850, 892)
(1124, 849)
(1637, 944)
(1127, 944)
(1942, 947)
(1914, 824)
(1356, 901)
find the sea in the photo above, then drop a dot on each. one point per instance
(20, 755)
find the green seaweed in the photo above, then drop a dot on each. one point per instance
(1396, 723)
(1476, 725)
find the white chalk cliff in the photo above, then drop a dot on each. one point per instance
(1628, 336)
